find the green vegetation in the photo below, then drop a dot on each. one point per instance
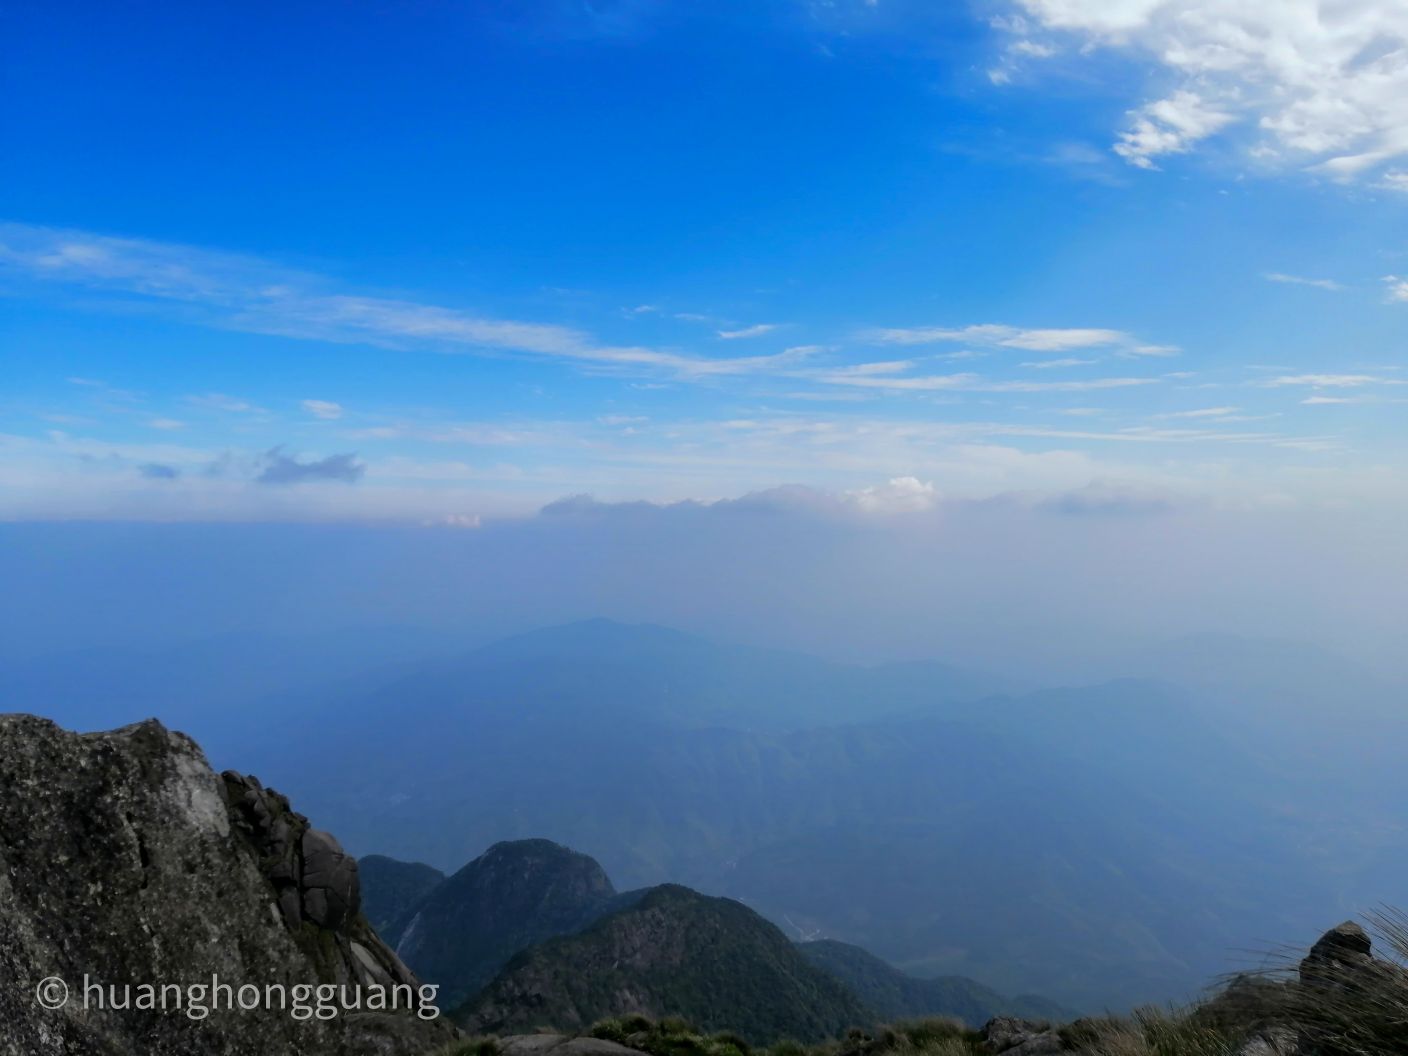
(1338, 1001)
(674, 952)
(895, 996)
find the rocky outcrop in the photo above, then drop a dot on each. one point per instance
(1341, 952)
(1008, 1036)
(127, 865)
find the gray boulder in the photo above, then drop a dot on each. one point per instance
(125, 862)
(1009, 1036)
(1342, 950)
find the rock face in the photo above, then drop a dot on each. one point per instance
(675, 952)
(127, 863)
(1341, 950)
(512, 896)
(1011, 1036)
(1008, 1036)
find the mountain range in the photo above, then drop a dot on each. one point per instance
(533, 935)
(1106, 844)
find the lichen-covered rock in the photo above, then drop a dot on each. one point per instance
(126, 862)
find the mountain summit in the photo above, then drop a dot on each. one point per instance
(515, 894)
(675, 952)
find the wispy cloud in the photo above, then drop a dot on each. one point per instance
(859, 377)
(1201, 412)
(1001, 336)
(1048, 364)
(1300, 280)
(325, 409)
(756, 330)
(1397, 288)
(1330, 381)
(1319, 401)
(247, 293)
(218, 401)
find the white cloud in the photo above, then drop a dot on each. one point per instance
(1314, 82)
(1168, 126)
(1300, 280)
(218, 401)
(166, 424)
(1329, 381)
(898, 495)
(1316, 401)
(998, 335)
(455, 520)
(757, 330)
(1047, 364)
(1092, 385)
(1397, 288)
(324, 409)
(860, 370)
(1202, 412)
(245, 293)
(858, 378)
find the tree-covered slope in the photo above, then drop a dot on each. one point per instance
(893, 995)
(674, 952)
(513, 895)
(391, 888)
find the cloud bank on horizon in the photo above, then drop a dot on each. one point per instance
(1045, 255)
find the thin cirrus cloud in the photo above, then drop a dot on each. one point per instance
(219, 401)
(1330, 381)
(757, 330)
(1023, 339)
(1048, 364)
(1001, 336)
(249, 294)
(1301, 280)
(968, 382)
(1202, 412)
(324, 409)
(1310, 84)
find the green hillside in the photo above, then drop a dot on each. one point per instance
(893, 995)
(675, 952)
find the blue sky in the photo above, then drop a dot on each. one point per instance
(452, 261)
